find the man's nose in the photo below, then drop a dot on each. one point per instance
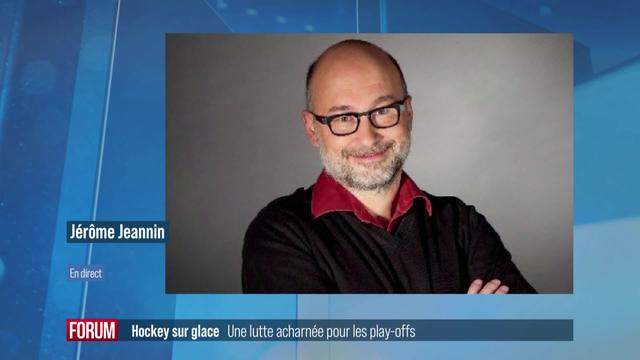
(367, 133)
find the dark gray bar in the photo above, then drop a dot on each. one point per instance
(347, 330)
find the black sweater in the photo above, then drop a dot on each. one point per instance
(287, 251)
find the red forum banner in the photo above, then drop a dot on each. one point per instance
(92, 329)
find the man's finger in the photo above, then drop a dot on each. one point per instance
(490, 287)
(476, 285)
(502, 289)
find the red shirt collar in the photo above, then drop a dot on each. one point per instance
(329, 195)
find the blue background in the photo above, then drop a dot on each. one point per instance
(82, 137)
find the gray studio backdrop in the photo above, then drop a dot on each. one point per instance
(492, 125)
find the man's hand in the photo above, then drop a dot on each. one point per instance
(491, 287)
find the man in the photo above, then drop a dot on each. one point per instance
(365, 226)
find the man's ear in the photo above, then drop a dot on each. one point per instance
(309, 128)
(409, 111)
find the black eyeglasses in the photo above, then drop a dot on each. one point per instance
(348, 123)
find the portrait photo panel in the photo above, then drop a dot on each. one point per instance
(492, 124)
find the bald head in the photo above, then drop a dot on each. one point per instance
(349, 56)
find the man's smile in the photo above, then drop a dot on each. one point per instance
(370, 157)
(374, 154)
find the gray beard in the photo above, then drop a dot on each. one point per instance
(376, 178)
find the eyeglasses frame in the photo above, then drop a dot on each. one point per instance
(326, 120)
